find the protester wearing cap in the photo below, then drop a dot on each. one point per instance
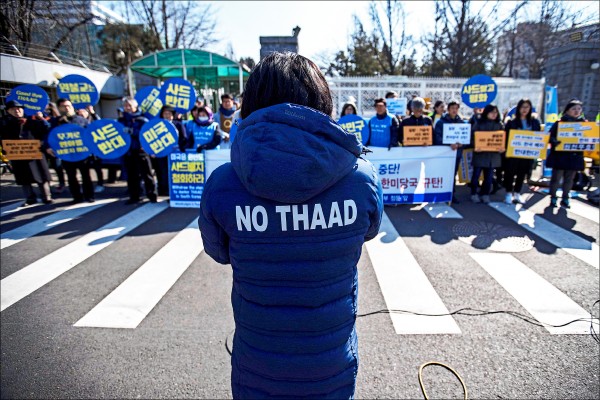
(201, 133)
(565, 164)
(450, 117)
(416, 118)
(224, 117)
(14, 126)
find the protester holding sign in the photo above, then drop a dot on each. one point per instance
(85, 191)
(383, 127)
(137, 161)
(565, 164)
(450, 117)
(291, 213)
(519, 167)
(161, 164)
(485, 161)
(14, 126)
(202, 133)
(417, 118)
(224, 117)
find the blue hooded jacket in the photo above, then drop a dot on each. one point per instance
(290, 213)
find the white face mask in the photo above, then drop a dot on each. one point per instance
(202, 119)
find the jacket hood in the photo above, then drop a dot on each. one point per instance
(291, 153)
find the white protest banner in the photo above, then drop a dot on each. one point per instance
(397, 106)
(213, 159)
(415, 174)
(457, 133)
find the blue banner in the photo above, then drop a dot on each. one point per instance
(186, 179)
(551, 114)
(158, 137)
(179, 94)
(106, 139)
(67, 143)
(479, 91)
(33, 98)
(79, 90)
(149, 101)
(354, 124)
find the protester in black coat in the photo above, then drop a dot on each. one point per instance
(518, 167)
(485, 161)
(14, 126)
(565, 164)
(417, 118)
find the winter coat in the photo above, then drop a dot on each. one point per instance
(290, 213)
(27, 171)
(201, 134)
(566, 160)
(383, 131)
(486, 159)
(519, 164)
(423, 120)
(133, 123)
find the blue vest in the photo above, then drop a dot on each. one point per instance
(201, 134)
(380, 131)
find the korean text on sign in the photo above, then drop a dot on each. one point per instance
(179, 94)
(186, 179)
(159, 137)
(152, 104)
(106, 139)
(457, 133)
(479, 93)
(67, 143)
(527, 144)
(356, 125)
(417, 136)
(22, 149)
(490, 141)
(578, 136)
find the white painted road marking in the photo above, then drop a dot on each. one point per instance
(23, 232)
(405, 286)
(587, 252)
(441, 210)
(29, 279)
(129, 303)
(541, 299)
(16, 207)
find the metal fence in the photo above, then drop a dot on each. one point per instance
(366, 89)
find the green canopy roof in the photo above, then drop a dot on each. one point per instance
(194, 65)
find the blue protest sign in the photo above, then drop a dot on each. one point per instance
(354, 124)
(149, 100)
(79, 90)
(514, 110)
(33, 98)
(479, 91)
(186, 179)
(106, 139)
(67, 143)
(179, 94)
(158, 137)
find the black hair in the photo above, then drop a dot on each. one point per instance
(286, 78)
(380, 100)
(572, 103)
(166, 108)
(346, 106)
(529, 114)
(390, 95)
(453, 103)
(60, 101)
(488, 109)
(226, 96)
(438, 103)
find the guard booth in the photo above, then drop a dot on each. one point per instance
(210, 73)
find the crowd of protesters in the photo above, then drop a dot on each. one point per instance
(202, 130)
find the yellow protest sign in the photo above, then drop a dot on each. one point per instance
(490, 141)
(527, 144)
(417, 136)
(577, 136)
(22, 149)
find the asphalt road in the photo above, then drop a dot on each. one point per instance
(177, 350)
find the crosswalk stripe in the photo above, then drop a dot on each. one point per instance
(587, 252)
(541, 299)
(441, 210)
(23, 232)
(16, 207)
(405, 286)
(577, 207)
(128, 304)
(29, 279)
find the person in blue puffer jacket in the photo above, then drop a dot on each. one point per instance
(202, 132)
(290, 213)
